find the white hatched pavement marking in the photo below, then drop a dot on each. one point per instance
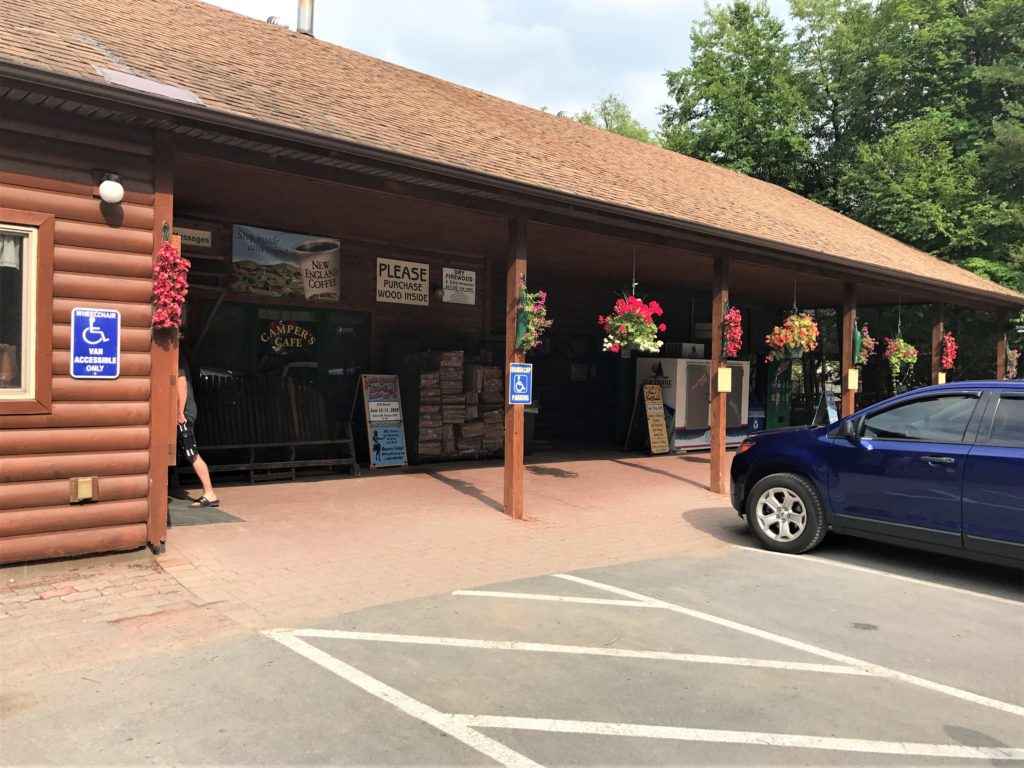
(446, 723)
(579, 650)
(897, 576)
(799, 645)
(552, 598)
(904, 748)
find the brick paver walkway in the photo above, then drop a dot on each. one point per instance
(312, 550)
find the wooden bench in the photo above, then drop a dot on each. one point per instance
(268, 428)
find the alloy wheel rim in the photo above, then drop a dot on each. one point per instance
(780, 514)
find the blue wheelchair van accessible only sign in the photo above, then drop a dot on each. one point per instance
(520, 384)
(95, 343)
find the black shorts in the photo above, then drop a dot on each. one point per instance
(187, 440)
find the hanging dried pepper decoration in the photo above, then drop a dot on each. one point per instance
(170, 283)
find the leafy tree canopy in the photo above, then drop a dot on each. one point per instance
(739, 103)
(612, 114)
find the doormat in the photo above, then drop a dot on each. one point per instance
(179, 512)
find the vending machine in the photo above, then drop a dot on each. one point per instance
(777, 393)
(686, 390)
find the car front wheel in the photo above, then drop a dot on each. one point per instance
(785, 513)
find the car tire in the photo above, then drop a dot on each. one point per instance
(785, 513)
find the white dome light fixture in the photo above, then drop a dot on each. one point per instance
(111, 190)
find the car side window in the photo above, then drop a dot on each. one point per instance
(1008, 422)
(941, 419)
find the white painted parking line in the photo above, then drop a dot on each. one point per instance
(552, 598)
(445, 723)
(799, 645)
(819, 560)
(580, 650)
(753, 738)
(466, 727)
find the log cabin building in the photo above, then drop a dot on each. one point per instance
(427, 201)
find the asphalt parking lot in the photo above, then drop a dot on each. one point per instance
(742, 658)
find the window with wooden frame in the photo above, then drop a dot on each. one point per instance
(26, 306)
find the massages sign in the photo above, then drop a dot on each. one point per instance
(267, 262)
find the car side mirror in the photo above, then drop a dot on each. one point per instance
(848, 430)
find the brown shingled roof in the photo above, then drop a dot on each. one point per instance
(250, 69)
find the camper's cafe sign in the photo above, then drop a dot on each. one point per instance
(267, 262)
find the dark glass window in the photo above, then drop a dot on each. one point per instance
(1008, 424)
(934, 420)
(14, 341)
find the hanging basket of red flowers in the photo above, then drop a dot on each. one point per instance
(901, 356)
(948, 352)
(732, 333)
(797, 334)
(631, 325)
(170, 283)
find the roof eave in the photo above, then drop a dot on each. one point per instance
(211, 117)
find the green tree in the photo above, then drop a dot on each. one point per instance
(739, 103)
(612, 114)
(829, 53)
(913, 185)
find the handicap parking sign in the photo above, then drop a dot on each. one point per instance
(95, 343)
(520, 384)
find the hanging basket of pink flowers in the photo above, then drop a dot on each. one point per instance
(732, 333)
(1012, 361)
(531, 318)
(864, 345)
(901, 356)
(170, 283)
(948, 352)
(631, 325)
(797, 334)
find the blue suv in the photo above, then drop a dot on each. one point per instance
(938, 468)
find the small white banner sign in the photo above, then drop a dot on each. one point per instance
(403, 282)
(459, 286)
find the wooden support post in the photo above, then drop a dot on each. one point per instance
(1001, 344)
(938, 331)
(847, 364)
(514, 433)
(719, 298)
(163, 351)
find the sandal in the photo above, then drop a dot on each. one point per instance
(202, 501)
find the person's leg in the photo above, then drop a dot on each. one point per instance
(203, 473)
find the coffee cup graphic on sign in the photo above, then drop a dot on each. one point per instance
(320, 264)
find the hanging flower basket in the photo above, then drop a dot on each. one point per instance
(631, 326)
(901, 357)
(797, 334)
(1012, 361)
(732, 333)
(948, 352)
(531, 318)
(170, 283)
(864, 345)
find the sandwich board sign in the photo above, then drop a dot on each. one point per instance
(385, 431)
(95, 343)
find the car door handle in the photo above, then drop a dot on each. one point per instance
(939, 459)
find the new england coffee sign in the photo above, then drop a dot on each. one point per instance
(267, 262)
(403, 282)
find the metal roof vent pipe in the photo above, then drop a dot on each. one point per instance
(305, 24)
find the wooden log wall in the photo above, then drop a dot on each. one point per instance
(102, 258)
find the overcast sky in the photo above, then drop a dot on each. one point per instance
(559, 54)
